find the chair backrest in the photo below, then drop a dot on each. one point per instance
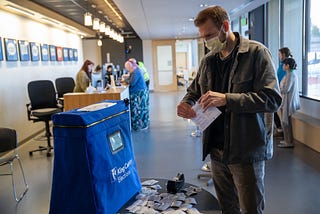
(64, 85)
(8, 139)
(42, 94)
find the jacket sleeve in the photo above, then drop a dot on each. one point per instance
(261, 93)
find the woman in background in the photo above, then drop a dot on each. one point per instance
(139, 96)
(83, 77)
(290, 101)
(283, 54)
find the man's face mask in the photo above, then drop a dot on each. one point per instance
(214, 43)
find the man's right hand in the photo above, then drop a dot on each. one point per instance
(184, 110)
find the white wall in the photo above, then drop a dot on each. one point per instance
(14, 76)
(147, 60)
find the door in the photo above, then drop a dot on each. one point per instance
(164, 68)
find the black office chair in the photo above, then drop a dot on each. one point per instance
(43, 104)
(9, 144)
(64, 85)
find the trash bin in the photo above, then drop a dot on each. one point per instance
(94, 167)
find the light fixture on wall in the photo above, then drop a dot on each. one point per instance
(99, 42)
(96, 24)
(87, 19)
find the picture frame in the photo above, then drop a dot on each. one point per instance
(65, 54)
(70, 50)
(52, 50)
(75, 54)
(35, 51)
(24, 50)
(1, 52)
(11, 49)
(59, 53)
(44, 52)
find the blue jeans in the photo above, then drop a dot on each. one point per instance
(239, 187)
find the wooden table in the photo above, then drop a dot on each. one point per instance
(78, 100)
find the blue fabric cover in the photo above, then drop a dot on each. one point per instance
(87, 177)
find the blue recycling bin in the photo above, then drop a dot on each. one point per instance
(94, 167)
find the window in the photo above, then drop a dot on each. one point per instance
(313, 88)
(292, 32)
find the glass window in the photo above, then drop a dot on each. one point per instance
(292, 32)
(313, 90)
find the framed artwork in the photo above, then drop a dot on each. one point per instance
(65, 54)
(1, 53)
(44, 52)
(70, 54)
(59, 54)
(75, 54)
(35, 53)
(52, 50)
(11, 49)
(24, 50)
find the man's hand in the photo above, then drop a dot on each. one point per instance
(184, 110)
(212, 98)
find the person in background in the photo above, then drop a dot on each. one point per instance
(238, 77)
(108, 74)
(144, 71)
(83, 77)
(139, 96)
(283, 54)
(291, 101)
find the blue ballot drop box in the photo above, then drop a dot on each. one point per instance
(94, 167)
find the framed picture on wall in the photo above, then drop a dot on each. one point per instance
(65, 54)
(24, 50)
(70, 54)
(52, 50)
(44, 52)
(11, 49)
(1, 53)
(75, 54)
(59, 54)
(35, 53)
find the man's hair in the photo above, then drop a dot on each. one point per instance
(216, 13)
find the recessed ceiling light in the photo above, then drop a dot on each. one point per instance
(191, 19)
(203, 5)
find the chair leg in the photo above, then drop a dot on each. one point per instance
(48, 148)
(18, 198)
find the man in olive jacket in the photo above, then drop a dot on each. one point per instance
(237, 76)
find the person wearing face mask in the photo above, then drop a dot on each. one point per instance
(238, 77)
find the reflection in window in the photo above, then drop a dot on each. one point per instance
(314, 51)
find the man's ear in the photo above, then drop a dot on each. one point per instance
(225, 26)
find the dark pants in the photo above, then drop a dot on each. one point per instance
(277, 120)
(239, 187)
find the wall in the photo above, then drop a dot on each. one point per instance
(92, 51)
(14, 76)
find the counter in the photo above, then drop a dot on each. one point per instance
(78, 100)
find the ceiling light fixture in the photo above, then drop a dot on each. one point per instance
(96, 24)
(109, 5)
(87, 19)
(102, 27)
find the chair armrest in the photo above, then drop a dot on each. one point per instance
(29, 110)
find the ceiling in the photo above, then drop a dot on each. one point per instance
(147, 19)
